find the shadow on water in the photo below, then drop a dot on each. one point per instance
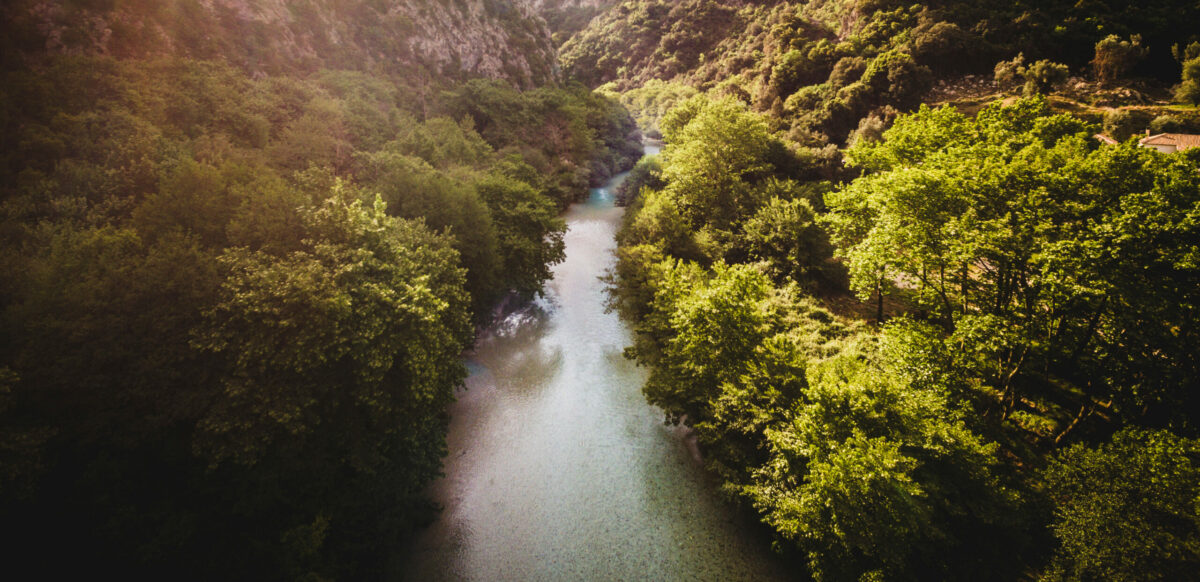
(558, 469)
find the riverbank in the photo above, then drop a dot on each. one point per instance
(558, 469)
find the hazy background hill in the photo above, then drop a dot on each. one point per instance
(492, 38)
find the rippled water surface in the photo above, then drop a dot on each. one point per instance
(558, 469)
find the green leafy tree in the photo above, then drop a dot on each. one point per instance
(716, 150)
(647, 173)
(413, 189)
(875, 474)
(1007, 74)
(230, 365)
(529, 232)
(1011, 225)
(1189, 89)
(1126, 509)
(362, 325)
(715, 324)
(1116, 57)
(337, 361)
(1122, 124)
(785, 233)
(1043, 76)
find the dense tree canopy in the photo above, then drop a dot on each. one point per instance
(1047, 291)
(234, 309)
(1051, 260)
(1126, 510)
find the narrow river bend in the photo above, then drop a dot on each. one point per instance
(558, 469)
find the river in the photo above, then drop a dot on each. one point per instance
(558, 469)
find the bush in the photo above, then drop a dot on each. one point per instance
(1115, 57)
(1174, 124)
(847, 70)
(945, 47)
(1189, 90)
(1008, 74)
(1044, 75)
(870, 129)
(1122, 124)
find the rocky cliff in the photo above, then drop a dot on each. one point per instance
(493, 38)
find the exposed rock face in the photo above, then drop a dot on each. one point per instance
(494, 38)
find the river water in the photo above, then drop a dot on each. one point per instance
(558, 469)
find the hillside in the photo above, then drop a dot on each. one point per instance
(492, 38)
(567, 17)
(820, 67)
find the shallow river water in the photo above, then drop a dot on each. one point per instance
(558, 469)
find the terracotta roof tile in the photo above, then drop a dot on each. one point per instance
(1181, 141)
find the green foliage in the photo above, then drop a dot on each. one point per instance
(797, 69)
(365, 321)
(898, 78)
(802, 62)
(572, 137)
(1175, 124)
(869, 129)
(647, 173)
(946, 46)
(657, 39)
(1008, 74)
(785, 234)
(1122, 124)
(791, 406)
(1126, 509)
(875, 472)
(1188, 90)
(726, 191)
(1008, 226)
(1042, 76)
(1115, 57)
(412, 189)
(236, 306)
(650, 102)
(1050, 281)
(529, 231)
(713, 158)
(716, 323)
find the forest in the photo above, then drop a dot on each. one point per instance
(922, 323)
(920, 341)
(1021, 390)
(234, 308)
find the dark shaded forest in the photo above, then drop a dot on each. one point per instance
(233, 308)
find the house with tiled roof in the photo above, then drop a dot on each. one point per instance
(1169, 143)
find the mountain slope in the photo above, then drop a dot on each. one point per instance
(492, 38)
(820, 67)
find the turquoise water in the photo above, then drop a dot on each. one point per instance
(558, 469)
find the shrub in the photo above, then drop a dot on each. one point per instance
(1044, 75)
(1122, 124)
(1008, 74)
(1115, 57)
